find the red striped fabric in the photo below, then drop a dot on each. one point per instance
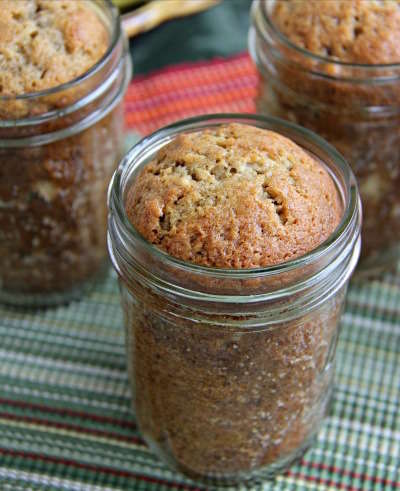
(220, 85)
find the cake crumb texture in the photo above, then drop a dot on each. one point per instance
(354, 31)
(45, 43)
(235, 196)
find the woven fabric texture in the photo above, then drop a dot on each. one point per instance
(65, 416)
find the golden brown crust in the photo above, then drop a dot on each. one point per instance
(355, 31)
(234, 197)
(45, 43)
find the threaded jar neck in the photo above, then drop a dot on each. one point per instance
(304, 281)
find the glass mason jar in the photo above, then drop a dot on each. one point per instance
(58, 150)
(355, 107)
(231, 370)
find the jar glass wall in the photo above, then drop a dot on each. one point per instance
(355, 107)
(231, 370)
(58, 150)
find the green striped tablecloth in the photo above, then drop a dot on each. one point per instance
(66, 421)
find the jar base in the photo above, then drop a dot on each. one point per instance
(43, 300)
(247, 480)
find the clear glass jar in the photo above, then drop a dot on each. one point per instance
(231, 370)
(58, 150)
(355, 107)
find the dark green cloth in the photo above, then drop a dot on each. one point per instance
(219, 31)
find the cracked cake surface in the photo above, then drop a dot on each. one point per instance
(353, 31)
(234, 197)
(45, 43)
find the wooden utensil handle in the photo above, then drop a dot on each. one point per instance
(154, 13)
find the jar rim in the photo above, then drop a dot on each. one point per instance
(149, 145)
(93, 70)
(368, 67)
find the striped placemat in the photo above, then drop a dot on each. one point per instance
(221, 85)
(65, 416)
